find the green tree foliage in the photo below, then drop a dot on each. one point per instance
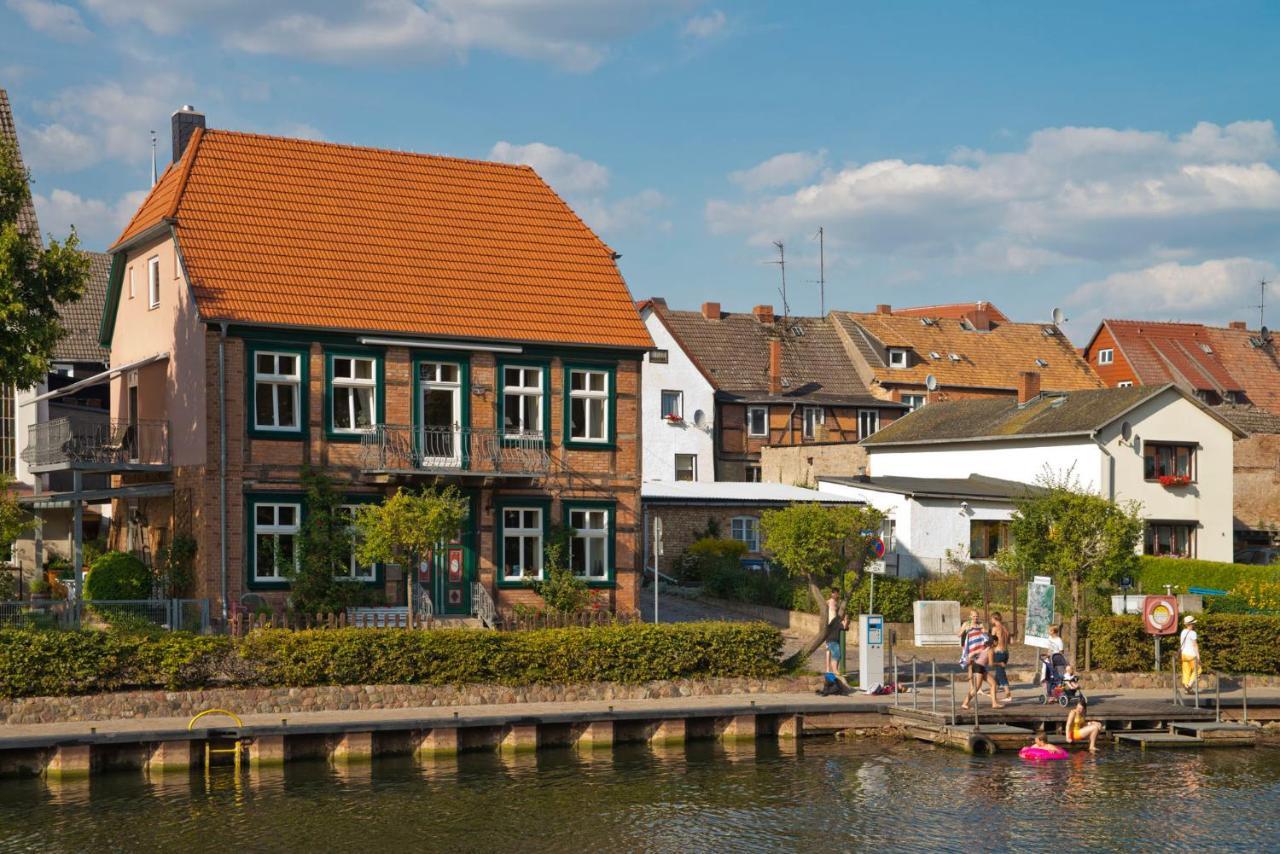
(409, 525)
(317, 584)
(561, 590)
(177, 566)
(1075, 537)
(118, 575)
(820, 544)
(13, 519)
(33, 280)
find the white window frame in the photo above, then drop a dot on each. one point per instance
(662, 403)
(153, 282)
(522, 534)
(276, 530)
(278, 380)
(914, 401)
(765, 431)
(1106, 355)
(524, 390)
(355, 572)
(586, 395)
(355, 384)
(131, 282)
(813, 418)
(593, 539)
(694, 459)
(898, 358)
(874, 415)
(1125, 384)
(746, 530)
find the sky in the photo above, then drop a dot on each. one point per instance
(1113, 160)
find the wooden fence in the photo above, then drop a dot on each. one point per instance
(240, 625)
(521, 622)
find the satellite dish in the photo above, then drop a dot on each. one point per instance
(931, 382)
(699, 418)
(1264, 333)
(1058, 317)
(1126, 430)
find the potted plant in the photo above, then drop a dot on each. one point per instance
(39, 590)
(674, 418)
(1172, 480)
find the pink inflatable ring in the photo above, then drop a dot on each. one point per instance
(1049, 751)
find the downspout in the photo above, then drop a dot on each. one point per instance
(222, 467)
(1110, 469)
(791, 425)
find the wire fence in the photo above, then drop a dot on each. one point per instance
(187, 615)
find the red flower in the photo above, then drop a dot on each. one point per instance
(674, 418)
(1168, 480)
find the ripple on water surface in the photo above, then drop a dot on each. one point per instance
(821, 795)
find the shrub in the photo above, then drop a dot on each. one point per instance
(1229, 643)
(118, 575)
(708, 557)
(36, 663)
(948, 587)
(772, 589)
(894, 597)
(177, 564)
(1183, 573)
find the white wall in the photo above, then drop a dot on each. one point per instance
(925, 529)
(662, 441)
(1168, 417)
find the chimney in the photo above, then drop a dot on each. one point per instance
(763, 313)
(182, 125)
(711, 310)
(1237, 324)
(1028, 386)
(979, 318)
(883, 308)
(775, 363)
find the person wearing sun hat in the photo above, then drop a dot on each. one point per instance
(1189, 645)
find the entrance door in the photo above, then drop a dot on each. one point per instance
(440, 431)
(455, 570)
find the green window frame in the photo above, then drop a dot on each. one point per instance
(501, 385)
(252, 350)
(378, 384)
(609, 440)
(252, 503)
(376, 582)
(516, 502)
(610, 509)
(463, 362)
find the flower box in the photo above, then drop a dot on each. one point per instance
(674, 419)
(1172, 480)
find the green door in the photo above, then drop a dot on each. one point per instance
(454, 570)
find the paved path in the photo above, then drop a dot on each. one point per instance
(494, 714)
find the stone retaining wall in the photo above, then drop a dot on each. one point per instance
(181, 704)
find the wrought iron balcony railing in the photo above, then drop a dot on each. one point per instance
(97, 443)
(454, 450)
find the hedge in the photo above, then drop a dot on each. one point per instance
(57, 663)
(117, 575)
(1155, 572)
(1229, 643)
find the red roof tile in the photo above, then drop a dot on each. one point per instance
(1182, 353)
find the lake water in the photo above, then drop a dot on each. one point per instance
(819, 796)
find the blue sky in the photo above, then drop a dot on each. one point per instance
(1112, 159)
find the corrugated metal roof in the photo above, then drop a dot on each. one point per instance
(975, 486)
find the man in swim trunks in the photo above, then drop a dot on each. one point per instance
(980, 671)
(1000, 653)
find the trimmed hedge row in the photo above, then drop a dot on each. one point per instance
(1229, 643)
(59, 663)
(1155, 572)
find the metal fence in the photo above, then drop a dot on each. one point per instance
(98, 441)
(184, 615)
(453, 449)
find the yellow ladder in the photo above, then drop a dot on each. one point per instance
(209, 749)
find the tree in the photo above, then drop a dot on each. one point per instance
(13, 519)
(33, 280)
(325, 542)
(1075, 537)
(820, 545)
(408, 526)
(561, 590)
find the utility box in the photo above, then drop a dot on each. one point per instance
(937, 623)
(871, 640)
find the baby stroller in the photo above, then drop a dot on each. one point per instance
(1056, 686)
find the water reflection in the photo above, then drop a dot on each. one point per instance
(766, 796)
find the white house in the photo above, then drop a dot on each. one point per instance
(1156, 445)
(678, 405)
(936, 524)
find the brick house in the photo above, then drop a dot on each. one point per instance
(776, 381)
(392, 319)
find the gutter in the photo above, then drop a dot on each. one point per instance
(1110, 468)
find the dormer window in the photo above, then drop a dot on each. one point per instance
(934, 354)
(1106, 356)
(898, 358)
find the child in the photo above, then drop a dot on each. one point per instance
(1070, 680)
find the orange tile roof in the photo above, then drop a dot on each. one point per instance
(1182, 353)
(313, 234)
(954, 310)
(985, 360)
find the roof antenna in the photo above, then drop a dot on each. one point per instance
(1262, 302)
(822, 275)
(782, 267)
(153, 159)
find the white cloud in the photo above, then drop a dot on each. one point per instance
(584, 184)
(1070, 194)
(705, 26)
(569, 173)
(60, 21)
(573, 34)
(781, 170)
(1218, 290)
(97, 222)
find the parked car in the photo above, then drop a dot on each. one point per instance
(1259, 555)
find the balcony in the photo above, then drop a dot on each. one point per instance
(388, 449)
(97, 444)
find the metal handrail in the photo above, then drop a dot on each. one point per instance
(482, 606)
(100, 441)
(390, 447)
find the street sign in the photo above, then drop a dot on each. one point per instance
(876, 548)
(876, 567)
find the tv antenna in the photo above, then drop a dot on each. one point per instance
(782, 268)
(154, 178)
(1262, 302)
(822, 274)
